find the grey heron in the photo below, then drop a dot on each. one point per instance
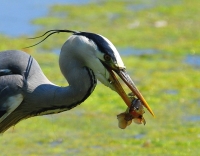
(85, 57)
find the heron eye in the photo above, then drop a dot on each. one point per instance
(107, 57)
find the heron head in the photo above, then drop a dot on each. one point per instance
(106, 63)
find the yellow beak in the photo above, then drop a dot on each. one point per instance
(128, 81)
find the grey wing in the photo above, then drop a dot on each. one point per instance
(14, 70)
(10, 93)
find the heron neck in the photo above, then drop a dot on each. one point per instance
(65, 98)
(81, 79)
(78, 90)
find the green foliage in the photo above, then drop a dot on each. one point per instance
(170, 86)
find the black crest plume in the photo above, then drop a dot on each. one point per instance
(49, 33)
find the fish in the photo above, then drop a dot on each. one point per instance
(133, 113)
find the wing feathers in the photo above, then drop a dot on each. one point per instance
(10, 105)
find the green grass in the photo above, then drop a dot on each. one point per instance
(170, 86)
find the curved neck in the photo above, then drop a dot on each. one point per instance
(82, 82)
(59, 99)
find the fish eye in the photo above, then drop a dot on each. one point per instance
(136, 108)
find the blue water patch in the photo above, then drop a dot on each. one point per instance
(56, 142)
(193, 118)
(171, 91)
(193, 60)
(148, 4)
(16, 16)
(139, 7)
(133, 51)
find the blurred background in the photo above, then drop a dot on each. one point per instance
(159, 42)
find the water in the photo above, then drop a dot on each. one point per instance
(138, 52)
(139, 7)
(56, 142)
(193, 118)
(193, 60)
(16, 16)
(171, 91)
(149, 4)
